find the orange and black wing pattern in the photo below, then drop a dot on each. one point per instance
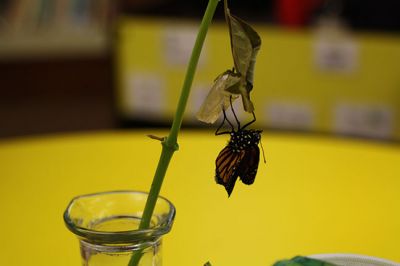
(249, 165)
(227, 168)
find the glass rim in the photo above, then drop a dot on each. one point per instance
(120, 236)
(355, 258)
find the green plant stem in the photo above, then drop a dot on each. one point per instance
(169, 144)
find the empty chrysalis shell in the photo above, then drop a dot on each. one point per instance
(218, 97)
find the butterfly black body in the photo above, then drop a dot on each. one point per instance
(239, 158)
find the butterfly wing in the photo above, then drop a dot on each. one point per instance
(248, 166)
(227, 166)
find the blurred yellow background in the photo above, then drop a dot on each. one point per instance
(72, 65)
(314, 195)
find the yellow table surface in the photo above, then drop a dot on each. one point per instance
(314, 195)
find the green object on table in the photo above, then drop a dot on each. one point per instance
(302, 261)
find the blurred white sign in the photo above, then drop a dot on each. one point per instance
(335, 48)
(178, 43)
(289, 115)
(339, 56)
(145, 94)
(363, 120)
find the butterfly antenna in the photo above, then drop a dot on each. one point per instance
(251, 122)
(234, 114)
(262, 148)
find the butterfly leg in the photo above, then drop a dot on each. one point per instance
(220, 126)
(251, 122)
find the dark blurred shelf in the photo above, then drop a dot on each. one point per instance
(363, 15)
(56, 95)
(54, 43)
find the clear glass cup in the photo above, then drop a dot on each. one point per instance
(106, 225)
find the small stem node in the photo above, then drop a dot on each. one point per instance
(156, 137)
(170, 146)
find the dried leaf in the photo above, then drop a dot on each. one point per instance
(245, 44)
(218, 97)
(255, 41)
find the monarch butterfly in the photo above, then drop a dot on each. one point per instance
(240, 157)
